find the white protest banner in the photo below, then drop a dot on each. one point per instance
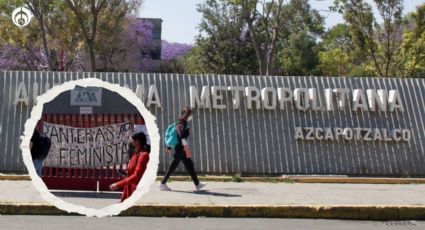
(87, 147)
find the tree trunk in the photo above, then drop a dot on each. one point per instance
(89, 36)
(38, 12)
(261, 58)
(90, 46)
(46, 48)
(262, 66)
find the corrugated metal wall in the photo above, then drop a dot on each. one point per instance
(253, 141)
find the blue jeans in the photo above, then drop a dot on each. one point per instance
(38, 165)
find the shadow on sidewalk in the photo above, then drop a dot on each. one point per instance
(80, 194)
(208, 193)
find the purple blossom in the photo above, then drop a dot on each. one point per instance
(132, 52)
(243, 34)
(172, 51)
(139, 38)
(141, 33)
(14, 58)
(149, 65)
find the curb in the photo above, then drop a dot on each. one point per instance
(380, 213)
(14, 177)
(30, 209)
(284, 179)
(282, 211)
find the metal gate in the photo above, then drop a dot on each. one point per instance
(90, 179)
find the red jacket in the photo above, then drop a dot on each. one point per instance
(135, 170)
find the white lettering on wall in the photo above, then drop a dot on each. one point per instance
(21, 94)
(153, 97)
(352, 134)
(200, 102)
(315, 100)
(342, 95)
(236, 96)
(329, 99)
(284, 95)
(359, 100)
(377, 98)
(252, 95)
(395, 102)
(217, 97)
(268, 98)
(302, 99)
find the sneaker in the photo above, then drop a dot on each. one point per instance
(164, 187)
(200, 186)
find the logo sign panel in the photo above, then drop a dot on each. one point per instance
(86, 97)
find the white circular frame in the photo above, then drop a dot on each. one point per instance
(149, 176)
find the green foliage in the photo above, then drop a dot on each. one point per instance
(235, 37)
(334, 62)
(385, 48)
(237, 178)
(337, 54)
(222, 46)
(298, 49)
(413, 46)
(377, 44)
(338, 37)
(298, 55)
(257, 37)
(267, 23)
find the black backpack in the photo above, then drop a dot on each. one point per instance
(41, 148)
(45, 145)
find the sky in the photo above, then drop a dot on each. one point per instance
(180, 18)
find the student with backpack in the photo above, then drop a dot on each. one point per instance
(40, 147)
(176, 138)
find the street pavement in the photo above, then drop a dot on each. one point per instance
(227, 193)
(83, 223)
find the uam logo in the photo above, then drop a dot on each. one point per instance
(86, 97)
(21, 17)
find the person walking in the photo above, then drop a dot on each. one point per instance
(135, 168)
(182, 151)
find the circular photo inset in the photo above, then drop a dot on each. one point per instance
(91, 147)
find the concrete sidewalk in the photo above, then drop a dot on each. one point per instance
(335, 179)
(343, 201)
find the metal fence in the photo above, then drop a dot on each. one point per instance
(85, 178)
(251, 141)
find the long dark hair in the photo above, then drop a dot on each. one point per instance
(141, 138)
(186, 112)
